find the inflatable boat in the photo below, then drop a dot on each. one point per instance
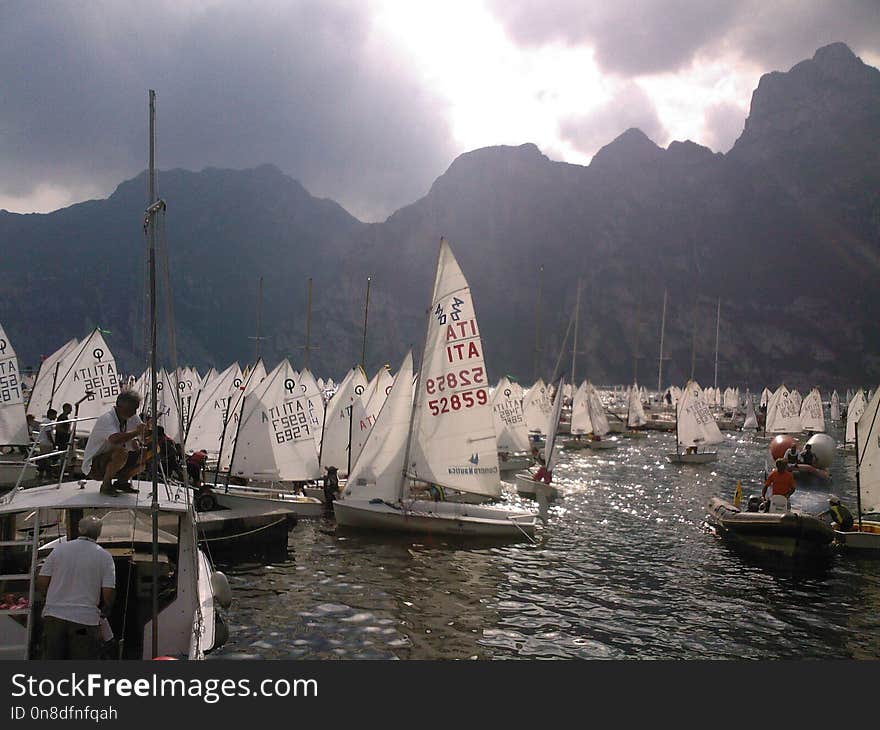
(791, 533)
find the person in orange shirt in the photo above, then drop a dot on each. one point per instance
(780, 480)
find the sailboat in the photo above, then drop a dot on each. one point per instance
(811, 414)
(783, 414)
(448, 441)
(695, 427)
(537, 406)
(13, 422)
(635, 414)
(511, 432)
(854, 410)
(526, 486)
(581, 425)
(179, 615)
(751, 422)
(599, 421)
(42, 393)
(866, 532)
(835, 407)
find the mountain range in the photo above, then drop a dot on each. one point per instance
(784, 230)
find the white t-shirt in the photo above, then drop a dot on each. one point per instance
(104, 427)
(79, 569)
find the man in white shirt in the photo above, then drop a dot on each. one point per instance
(113, 449)
(79, 581)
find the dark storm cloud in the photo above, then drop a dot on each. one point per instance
(629, 107)
(303, 85)
(634, 38)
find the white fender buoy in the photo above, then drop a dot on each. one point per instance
(822, 445)
(220, 589)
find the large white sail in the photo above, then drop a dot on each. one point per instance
(511, 432)
(536, 407)
(835, 406)
(452, 440)
(854, 411)
(731, 399)
(580, 411)
(635, 416)
(812, 415)
(206, 426)
(51, 370)
(13, 424)
(378, 472)
(553, 427)
(696, 426)
(598, 419)
(782, 414)
(253, 378)
(315, 403)
(89, 369)
(869, 456)
(276, 440)
(339, 424)
(751, 422)
(366, 409)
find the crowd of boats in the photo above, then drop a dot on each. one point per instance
(424, 451)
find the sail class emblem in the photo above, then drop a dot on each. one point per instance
(475, 459)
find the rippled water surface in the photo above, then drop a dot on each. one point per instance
(623, 569)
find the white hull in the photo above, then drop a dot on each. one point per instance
(702, 458)
(513, 464)
(303, 507)
(435, 518)
(867, 539)
(529, 488)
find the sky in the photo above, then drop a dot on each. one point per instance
(367, 102)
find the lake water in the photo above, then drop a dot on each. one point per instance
(623, 569)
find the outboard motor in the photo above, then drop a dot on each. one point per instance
(754, 503)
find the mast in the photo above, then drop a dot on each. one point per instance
(577, 308)
(858, 481)
(154, 504)
(259, 338)
(662, 333)
(366, 311)
(717, 330)
(538, 324)
(54, 384)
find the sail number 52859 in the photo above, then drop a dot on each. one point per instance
(451, 381)
(456, 402)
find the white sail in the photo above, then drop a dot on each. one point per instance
(553, 427)
(536, 407)
(580, 411)
(315, 403)
(90, 368)
(253, 378)
(339, 424)
(452, 441)
(782, 414)
(849, 396)
(366, 409)
(796, 400)
(13, 424)
(378, 472)
(51, 370)
(511, 432)
(731, 399)
(869, 456)
(835, 406)
(696, 426)
(206, 427)
(596, 410)
(751, 422)
(854, 411)
(635, 416)
(765, 397)
(812, 415)
(276, 440)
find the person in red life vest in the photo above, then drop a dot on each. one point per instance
(195, 464)
(543, 474)
(780, 481)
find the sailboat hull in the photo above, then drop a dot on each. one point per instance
(866, 539)
(513, 464)
(702, 458)
(434, 518)
(530, 489)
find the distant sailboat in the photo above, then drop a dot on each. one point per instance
(835, 407)
(526, 486)
(695, 427)
(751, 422)
(812, 415)
(783, 416)
(854, 411)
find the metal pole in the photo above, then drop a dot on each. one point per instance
(366, 310)
(577, 308)
(662, 333)
(308, 322)
(538, 325)
(717, 330)
(154, 505)
(858, 481)
(259, 337)
(54, 383)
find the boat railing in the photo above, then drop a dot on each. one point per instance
(34, 456)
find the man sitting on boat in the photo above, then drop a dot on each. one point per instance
(841, 518)
(113, 449)
(807, 456)
(780, 481)
(791, 456)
